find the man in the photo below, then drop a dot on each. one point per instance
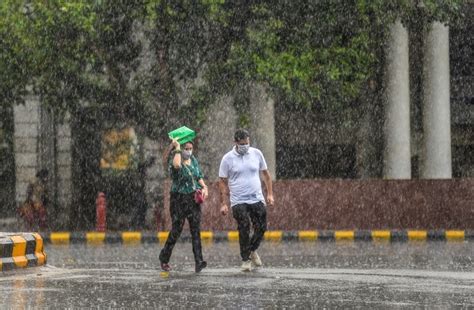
(239, 174)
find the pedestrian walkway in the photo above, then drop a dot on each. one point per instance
(294, 275)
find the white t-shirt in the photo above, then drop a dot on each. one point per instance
(243, 174)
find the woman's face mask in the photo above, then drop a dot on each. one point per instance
(243, 148)
(186, 154)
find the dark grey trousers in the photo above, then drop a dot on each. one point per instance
(182, 207)
(245, 214)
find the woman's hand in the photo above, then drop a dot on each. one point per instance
(205, 192)
(175, 144)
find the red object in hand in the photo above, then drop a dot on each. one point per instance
(101, 213)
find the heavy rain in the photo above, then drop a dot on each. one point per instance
(149, 148)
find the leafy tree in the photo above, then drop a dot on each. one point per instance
(314, 53)
(13, 55)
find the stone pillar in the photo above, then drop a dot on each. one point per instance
(216, 137)
(397, 159)
(155, 176)
(262, 128)
(436, 154)
(368, 139)
(54, 154)
(43, 142)
(63, 170)
(26, 135)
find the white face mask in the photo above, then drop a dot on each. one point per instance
(243, 148)
(186, 154)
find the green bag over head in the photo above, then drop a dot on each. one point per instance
(182, 134)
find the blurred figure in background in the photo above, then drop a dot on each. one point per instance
(33, 211)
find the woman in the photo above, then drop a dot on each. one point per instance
(186, 179)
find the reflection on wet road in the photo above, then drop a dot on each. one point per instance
(295, 275)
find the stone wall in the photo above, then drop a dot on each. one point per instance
(357, 204)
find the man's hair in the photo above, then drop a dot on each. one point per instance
(241, 134)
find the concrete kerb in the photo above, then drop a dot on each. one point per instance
(136, 237)
(21, 250)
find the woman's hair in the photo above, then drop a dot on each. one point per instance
(182, 145)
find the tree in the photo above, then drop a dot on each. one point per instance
(314, 53)
(14, 66)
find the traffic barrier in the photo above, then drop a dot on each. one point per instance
(135, 237)
(21, 250)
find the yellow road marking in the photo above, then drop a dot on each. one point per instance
(275, 235)
(344, 235)
(454, 235)
(60, 237)
(207, 235)
(131, 237)
(233, 235)
(162, 236)
(95, 237)
(310, 235)
(381, 235)
(417, 235)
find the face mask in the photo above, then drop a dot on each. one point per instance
(242, 148)
(186, 154)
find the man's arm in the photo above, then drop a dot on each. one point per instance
(224, 195)
(267, 179)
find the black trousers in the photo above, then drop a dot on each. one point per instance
(244, 214)
(182, 207)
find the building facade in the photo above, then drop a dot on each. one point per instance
(423, 129)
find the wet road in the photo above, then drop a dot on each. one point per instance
(295, 275)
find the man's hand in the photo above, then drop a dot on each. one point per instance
(224, 209)
(270, 200)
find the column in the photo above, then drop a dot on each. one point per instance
(262, 128)
(436, 151)
(26, 135)
(397, 159)
(216, 137)
(63, 169)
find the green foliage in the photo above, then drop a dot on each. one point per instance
(310, 53)
(13, 55)
(319, 53)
